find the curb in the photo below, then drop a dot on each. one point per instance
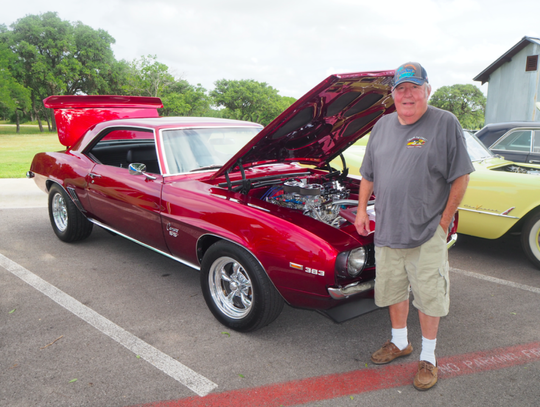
(21, 193)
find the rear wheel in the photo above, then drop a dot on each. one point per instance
(237, 290)
(68, 223)
(530, 238)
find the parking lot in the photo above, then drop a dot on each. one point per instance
(105, 322)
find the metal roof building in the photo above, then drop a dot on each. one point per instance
(514, 84)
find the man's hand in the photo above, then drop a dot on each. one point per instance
(445, 226)
(362, 219)
(362, 223)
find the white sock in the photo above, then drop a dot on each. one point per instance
(428, 350)
(399, 338)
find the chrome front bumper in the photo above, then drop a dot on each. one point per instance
(350, 290)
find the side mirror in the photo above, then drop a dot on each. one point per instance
(139, 169)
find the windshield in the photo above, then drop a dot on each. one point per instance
(202, 149)
(477, 151)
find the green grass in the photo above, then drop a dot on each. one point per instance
(18, 150)
(24, 129)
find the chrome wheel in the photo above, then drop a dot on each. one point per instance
(535, 239)
(237, 289)
(59, 212)
(230, 287)
(68, 223)
(530, 238)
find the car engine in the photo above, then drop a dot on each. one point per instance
(522, 170)
(319, 201)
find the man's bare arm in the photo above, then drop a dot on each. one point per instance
(457, 191)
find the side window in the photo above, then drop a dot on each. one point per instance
(121, 147)
(536, 142)
(519, 140)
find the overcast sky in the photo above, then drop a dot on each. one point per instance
(292, 45)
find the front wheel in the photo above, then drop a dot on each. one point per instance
(530, 238)
(237, 290)
(68, 223)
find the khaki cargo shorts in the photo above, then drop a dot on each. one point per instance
(424, 268)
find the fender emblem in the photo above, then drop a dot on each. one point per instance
(172, 231)
(314, 271)
(296, 266)
(506, 212)
(308, 270)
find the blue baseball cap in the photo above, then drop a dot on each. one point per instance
(410, 72)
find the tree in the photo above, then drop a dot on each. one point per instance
(467, 102)
(55, 57)
(93, 61)
(249, 100)
(184, 99)
(147, 77)
(14, 97)
(117, 76)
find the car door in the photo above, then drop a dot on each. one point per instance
(126, 203)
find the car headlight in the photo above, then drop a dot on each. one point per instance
(350, 264)
(356, 261)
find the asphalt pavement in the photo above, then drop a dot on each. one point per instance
(104, 322)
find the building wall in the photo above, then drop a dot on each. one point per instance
(512, 92)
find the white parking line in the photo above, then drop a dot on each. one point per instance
(194, 381)
(496, 280)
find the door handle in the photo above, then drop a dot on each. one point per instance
(92, 175)
(534, 161)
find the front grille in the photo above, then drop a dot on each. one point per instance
(370, 256)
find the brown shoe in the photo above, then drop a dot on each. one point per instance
(389, 352)
(426, 377)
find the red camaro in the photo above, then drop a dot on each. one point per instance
(259, 211)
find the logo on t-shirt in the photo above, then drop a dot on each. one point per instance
(416, 142)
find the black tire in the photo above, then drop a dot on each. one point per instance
(68, 223)
(530, 238)
(237, 290)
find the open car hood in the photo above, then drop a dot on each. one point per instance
(322, 123)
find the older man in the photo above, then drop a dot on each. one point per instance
(417, 165)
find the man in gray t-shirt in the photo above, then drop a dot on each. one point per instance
(416, 164)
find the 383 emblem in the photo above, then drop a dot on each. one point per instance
(314, 271)
(309, 270)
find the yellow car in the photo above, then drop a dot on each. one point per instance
(502, 196)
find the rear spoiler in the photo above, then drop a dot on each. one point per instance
(74, 115)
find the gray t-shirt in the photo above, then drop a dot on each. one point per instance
(412, 168)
